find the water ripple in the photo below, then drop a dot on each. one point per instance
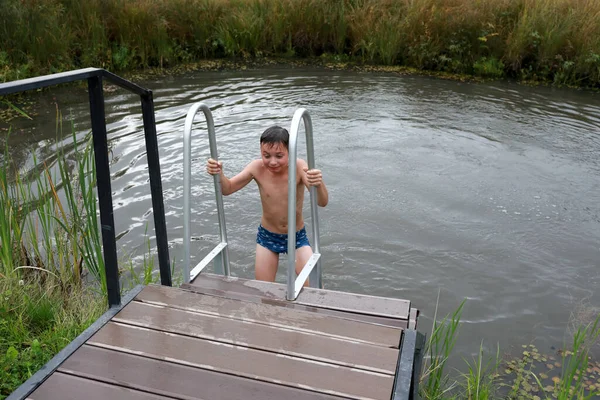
(482, 191)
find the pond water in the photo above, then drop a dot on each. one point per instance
(485, 192)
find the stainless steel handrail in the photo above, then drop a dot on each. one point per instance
(220, 253)
(313, 266)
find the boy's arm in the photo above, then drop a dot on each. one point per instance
(229, 186)
(314, 177)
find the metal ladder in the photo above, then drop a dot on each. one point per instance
(220, 254)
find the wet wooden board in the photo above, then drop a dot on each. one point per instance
(66, 387)
(245, 362)
(178, 381)
(273, 316)
(372, 319)
(231, 338)
(263, 337)
(343, 301)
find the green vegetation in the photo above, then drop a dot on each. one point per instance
(36, 322)
(439, 348)
(52, 279)
(570, 374)
(46, 235)
(555, 41)
(46, 245)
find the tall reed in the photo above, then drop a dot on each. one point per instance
(11, 226)
(434, 379)
(479, 382)
(49, 222)
(575, 363)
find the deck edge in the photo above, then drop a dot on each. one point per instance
(295, 305)
(31, 384)
(260, 285)
(408, 369)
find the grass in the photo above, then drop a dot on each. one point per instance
(36, 322)
(555, 41)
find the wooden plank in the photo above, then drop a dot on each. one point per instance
(273, 316)
(372, 319)
(245, 362)
(180, 381)
(262, 337)
(66, 387)
(331, 299)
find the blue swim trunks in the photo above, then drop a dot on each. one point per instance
(277, 242)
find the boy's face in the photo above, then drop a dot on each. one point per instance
(274, 156)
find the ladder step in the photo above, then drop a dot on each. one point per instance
(306, 270)
(206, 260)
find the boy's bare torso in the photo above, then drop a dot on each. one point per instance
(273, 188)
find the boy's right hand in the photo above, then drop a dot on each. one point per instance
(214, 167)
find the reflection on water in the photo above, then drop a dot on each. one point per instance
(488, 192)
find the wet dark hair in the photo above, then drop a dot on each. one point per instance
(274, 135)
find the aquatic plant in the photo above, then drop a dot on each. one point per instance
(43, 234)
(435, 382)
(568, 374)
(480, 380)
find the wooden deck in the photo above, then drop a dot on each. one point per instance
(225, 338)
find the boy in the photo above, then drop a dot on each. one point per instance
(271, 175)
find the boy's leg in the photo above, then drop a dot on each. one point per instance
(303, 254)
(265, 267)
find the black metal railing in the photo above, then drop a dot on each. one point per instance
(95, 77)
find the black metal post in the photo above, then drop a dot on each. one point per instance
(406, 385)
(107, 221)
(158, 207)
(419, 352)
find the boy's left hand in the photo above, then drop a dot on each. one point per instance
(314, 177)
